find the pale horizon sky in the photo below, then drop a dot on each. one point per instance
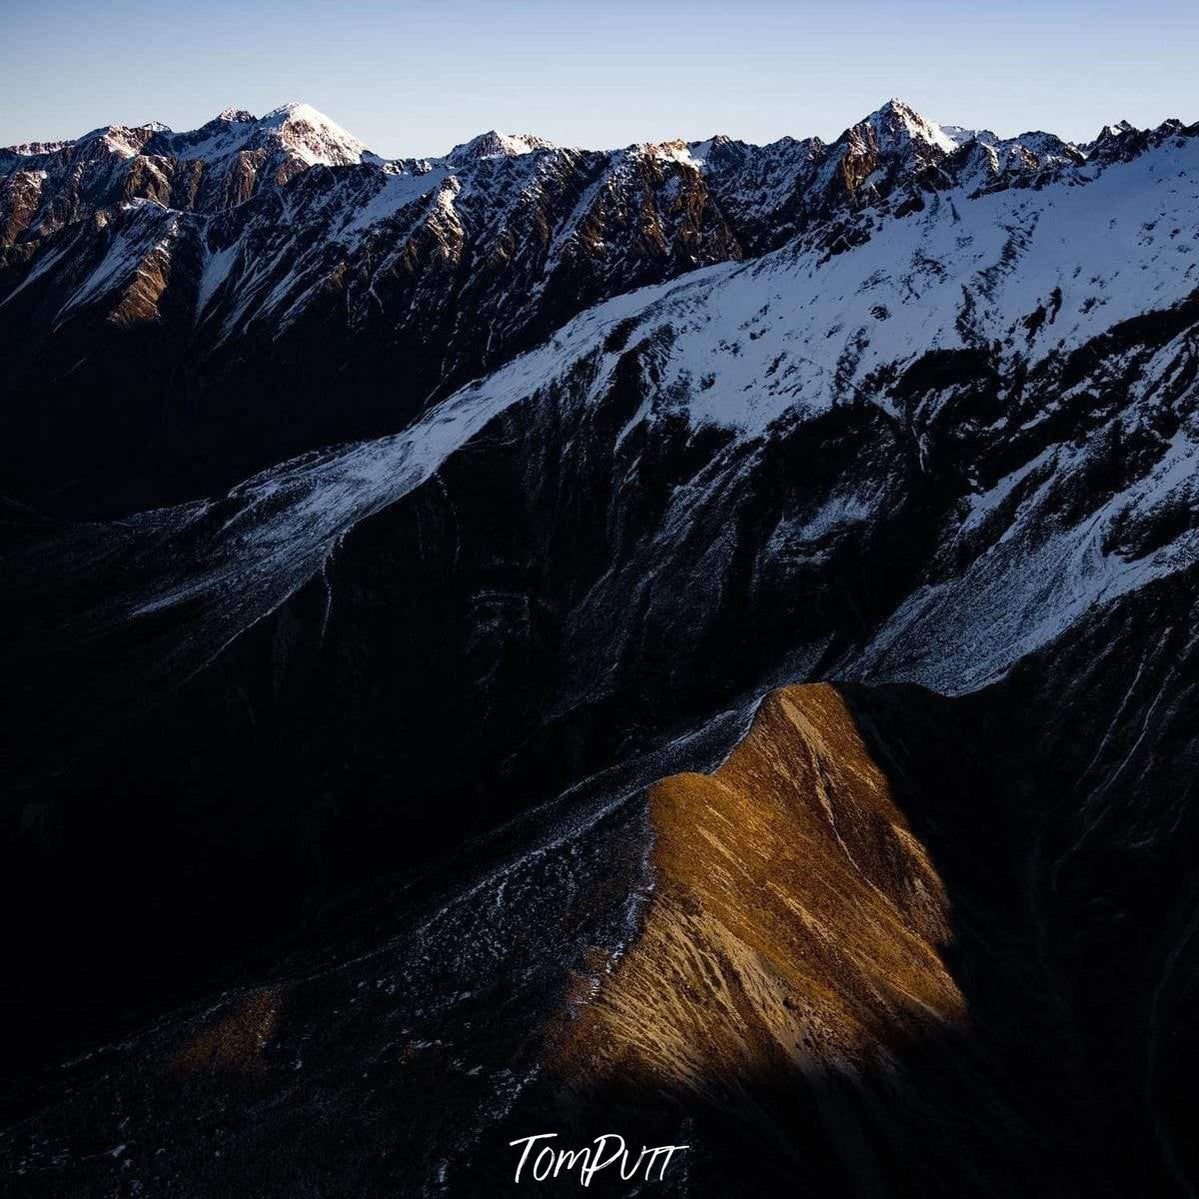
(416, 77)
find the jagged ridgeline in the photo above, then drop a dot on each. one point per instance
(695, 641)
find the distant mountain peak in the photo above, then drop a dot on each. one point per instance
(297, 110)
(494, 144)
(312, 136)
(236, 116)
(1119, 129)
(897, 123)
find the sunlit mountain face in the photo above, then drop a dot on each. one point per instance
(694, 642)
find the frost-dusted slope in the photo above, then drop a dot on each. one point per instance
(171, 588)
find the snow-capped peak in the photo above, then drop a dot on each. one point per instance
(897, 123)
(494, 144)
(1119, 129)
(236, 116)
(313, 137)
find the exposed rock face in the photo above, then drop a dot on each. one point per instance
(938, 447)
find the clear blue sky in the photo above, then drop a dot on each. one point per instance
(416, 76)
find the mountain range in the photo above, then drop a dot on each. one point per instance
(224, 282)
(697, 639)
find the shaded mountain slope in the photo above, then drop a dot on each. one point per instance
(968, 1041)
